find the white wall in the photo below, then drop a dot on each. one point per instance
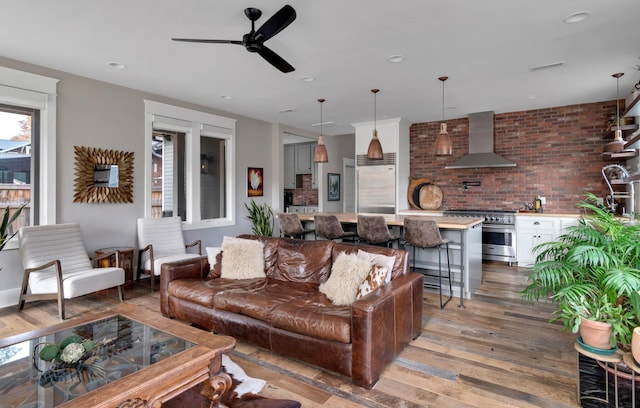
(97, 114)
(338, 147)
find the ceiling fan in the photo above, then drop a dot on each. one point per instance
(254, 40)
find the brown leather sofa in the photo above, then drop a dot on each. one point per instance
(286, 313)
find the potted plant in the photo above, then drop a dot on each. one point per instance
(261, 217)
(6, 224)
(591, 273)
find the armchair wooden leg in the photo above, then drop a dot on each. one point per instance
(23, 291)
(121, 293)
(61, 306)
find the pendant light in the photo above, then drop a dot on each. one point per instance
(321, 155)
(443, 145)
(617, 145)
(375, 148)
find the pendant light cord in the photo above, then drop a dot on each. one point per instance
(443, 78)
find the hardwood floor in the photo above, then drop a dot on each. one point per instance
(497, 352)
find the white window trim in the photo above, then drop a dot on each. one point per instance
(34, 91)
(198, 121)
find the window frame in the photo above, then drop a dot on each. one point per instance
(33, 91)
(193, 124)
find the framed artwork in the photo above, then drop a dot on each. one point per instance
(255, 187)
(333, 187)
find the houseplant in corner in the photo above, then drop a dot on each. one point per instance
(261, 217)
(591, 273)
(7, 219)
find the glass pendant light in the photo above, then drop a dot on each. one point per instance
(617, 144)
(321, 155)
(443, 146)
(374, 152)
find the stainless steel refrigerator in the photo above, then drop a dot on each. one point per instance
(376, 187)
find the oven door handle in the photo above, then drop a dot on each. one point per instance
(499, 228)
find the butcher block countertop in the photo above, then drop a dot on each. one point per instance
(458, 223)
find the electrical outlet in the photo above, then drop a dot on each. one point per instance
(543, 200)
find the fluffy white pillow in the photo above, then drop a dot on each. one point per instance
(242, 258)
(373, 281)
(347, 272)
(382, 260)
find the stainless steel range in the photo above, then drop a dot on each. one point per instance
(498, 232)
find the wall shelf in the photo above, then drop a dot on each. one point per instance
(626, 129)
(621, 155)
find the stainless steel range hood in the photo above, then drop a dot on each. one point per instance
(481, 145)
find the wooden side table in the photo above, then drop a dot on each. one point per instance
(126, 260)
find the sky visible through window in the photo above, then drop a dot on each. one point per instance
(10, 124)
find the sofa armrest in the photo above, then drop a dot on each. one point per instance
(193, 268)
(383, 322)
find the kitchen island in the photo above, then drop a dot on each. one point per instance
(465, 246)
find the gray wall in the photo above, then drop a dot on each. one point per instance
(97, 114)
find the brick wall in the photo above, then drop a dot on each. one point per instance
(557, 152)
(304, 195)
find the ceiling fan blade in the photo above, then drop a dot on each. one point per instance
(275, 60)
(276, 23)
(196, 40)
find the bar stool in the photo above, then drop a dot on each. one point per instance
(421, 233)
(373, 229)
(291, 226)
(329, 227)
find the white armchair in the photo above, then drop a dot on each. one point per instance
(56, 266)
(160, 241)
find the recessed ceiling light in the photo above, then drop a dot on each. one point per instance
(396, 58)
(227, 97)
(576, 17)
(287, 110)
(116, 65)
(307, 78)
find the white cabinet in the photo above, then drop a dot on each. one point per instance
(289, 170)
(303, 158)
(533, 230)
(300, 209)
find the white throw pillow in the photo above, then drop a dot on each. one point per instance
(242, 258)
(347, 273)
(382, 260)
(212, 252)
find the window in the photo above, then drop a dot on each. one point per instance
(189, 167)
(27, 167)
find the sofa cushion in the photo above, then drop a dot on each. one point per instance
(314, 316)
(258, 302)
(303, 261)
(375, 278)
(203, 291)
(242, 258)
(214, 257)
(379, 259)
(347, 273)
(270, 251)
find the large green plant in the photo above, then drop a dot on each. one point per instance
(6, 230)
(591, 272)
(261, 217)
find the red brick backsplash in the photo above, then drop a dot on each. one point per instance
(558, 152)
(304, 195)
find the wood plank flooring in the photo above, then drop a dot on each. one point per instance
(497, 352)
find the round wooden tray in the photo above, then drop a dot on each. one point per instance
(422, 194)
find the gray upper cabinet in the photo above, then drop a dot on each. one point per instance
(303, 158)
(289, 167)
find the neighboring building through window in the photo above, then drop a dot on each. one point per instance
(18, 131)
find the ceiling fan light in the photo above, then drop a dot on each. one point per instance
(374, 152)
(444, 146)
(321, 155)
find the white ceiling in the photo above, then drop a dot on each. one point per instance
(486, 47)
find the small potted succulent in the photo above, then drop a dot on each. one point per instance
(591, 272)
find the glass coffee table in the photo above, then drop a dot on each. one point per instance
(128, 357)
